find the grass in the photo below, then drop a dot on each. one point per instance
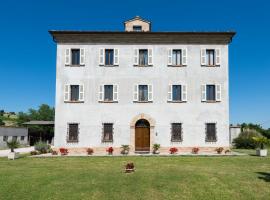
(241, 177)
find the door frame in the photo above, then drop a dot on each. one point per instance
(152, 123)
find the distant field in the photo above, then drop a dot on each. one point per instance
(159, 178)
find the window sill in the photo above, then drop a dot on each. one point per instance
(210, 141)
(143, 66)
(210, 65)
(176, 141)
(177, 101)
(73, 101)
(211, 101)
(107, 141)
(177, 65)
(73, 141)
(143, 101)
(74, 65)
(109, 65)
(108, 101)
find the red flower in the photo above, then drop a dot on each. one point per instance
(63, 151)
(110, 150)
(173, 150)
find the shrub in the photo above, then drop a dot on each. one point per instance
(54, 153)
(129, 167)
(173, 150)
(125, 149)
(13, 145)
(90, 151)
(42, 147)
(227, 151)
(195, 150)
(261, 142)
(110, 150)
(219, 150)
(63, 151)
(33, 153)
(245, 140)
(156, 147)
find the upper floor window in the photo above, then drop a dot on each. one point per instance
(210, 129)
(74, 93)
(108, 57)
(143, 93)
(137, 28)
(74, 57)
(176, 132)
(210, 57)
(73, 132)
(211, 93)
(177, 57)
(143, 57)
(107, 135)
(108, 93)
(177, 93)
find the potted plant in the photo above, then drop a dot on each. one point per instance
(13, 145)
(262, 142)
(125, 149)
(173, 150)
(156, 148)
(89, 151)
(110, 150)
(63, 151)
(219, 150)
(129, 167)
(195, 150)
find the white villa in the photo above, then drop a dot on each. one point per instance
(137, 87)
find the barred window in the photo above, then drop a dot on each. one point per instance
(211, 135)
(73, 132)
(176, 132)
(107, 132)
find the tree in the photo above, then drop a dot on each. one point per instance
(2, 123)
(2, 112)
(256, 127)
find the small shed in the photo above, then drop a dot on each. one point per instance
(8, 133)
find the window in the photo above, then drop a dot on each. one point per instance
(176, 57)
(14, 138)
(137, 28)
(109, 54)
(143, 92)
(210, 132)
(74, 93)
(210, 92)
(75, 56)
(73, 132)
(176, 132)
(143, 57)
(107, 132)
(22, 138)
(5, 138)
(108, 92)
(210, 57)
(176, 93)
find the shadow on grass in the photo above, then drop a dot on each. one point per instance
(264, 176)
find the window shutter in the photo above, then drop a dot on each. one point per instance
(82, 56)
(218, 92)
(184, 56)
(203, 92)
(101, 93)
(150, 56)
(218, 58)
(203, 56)
(136, 56)
(169, 56)
(136, 93)
(101, 56)
(116, 57)
(150, 92)
(81, 93)
(115, 92)
(66, 93)
(67, 57)
(169, 97)
(184, 92)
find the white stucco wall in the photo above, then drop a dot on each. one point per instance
(91, 114)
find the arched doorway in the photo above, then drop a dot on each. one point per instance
(142, 135)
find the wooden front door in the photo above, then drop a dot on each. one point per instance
(142, 139)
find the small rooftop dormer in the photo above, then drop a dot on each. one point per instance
(137, 24)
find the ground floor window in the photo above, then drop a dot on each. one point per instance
(176, 132)
(22, 138)
(107, 135)
(73, 132)
(5, 138)
(211, 135)
(14, 138)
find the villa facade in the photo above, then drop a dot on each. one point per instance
(137, 87)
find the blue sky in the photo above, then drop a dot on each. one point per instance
(28, 53)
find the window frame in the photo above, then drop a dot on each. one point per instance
(5, 138)
(137, 26)
(139, 58)
(104, 86)
(173, 139)
(139, 99)
(215, 95)
(105, 57)
(214, 139)
(22, 138)
(181, 61)
(68, 132)
(180, 93)
(207, 57)
(104, 140)
(71, 57)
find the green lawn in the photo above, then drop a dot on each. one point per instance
(241, 177)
